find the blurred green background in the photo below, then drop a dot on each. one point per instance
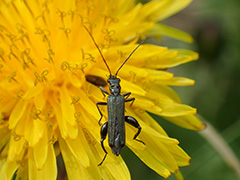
(215, 26)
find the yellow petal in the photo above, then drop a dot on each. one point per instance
(162, 93)
(146, 104)
(149, 121)
(74, 167)
(117, 167)
(161, 164)
(176, 81)
(131, 87)
(89, 106)
(35, 132)
(155, 8)
(40, 101)
(132, 73)
(25, 123)
(15, 148)
(76, 146)
(152, 161)
(17, 113)
(113, 167)
(7, 169)
(40, 151)
(48, 171)
(163, 30)
(167, 59)
(175, 109)
(65, 128)
(187, 121)
(179, 155)
(4, 136)
(67, 107)
(172, 7)
(161, 136)
(148, 51)
(33, 92)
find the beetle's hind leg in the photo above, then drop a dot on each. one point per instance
(132, 121)
(103, 133)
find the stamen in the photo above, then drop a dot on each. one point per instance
(11, 51)
(25, 145)
(77, 116)
(23, 34)
(65, 30)
(12, 37)
(52, 140)
(65, 65)
(108, 19)
(19, 94)
(43, 75)
(49, 126)
(15, 136)
(42, 15)
(24, 54)
(62, 15)
(140, 110)
(72, 13)
(35, 113)
(49, 114)
(109, 35)
(50, 54)
(3, 124)
(45, 33)
(145, 86)
(12, 77)
(40, 78)
(1, 54)
(88, 136)
(122, 54)
(29, 9)
(87, 56)
(133, 74)
(75, 99)
(103, 46)
(21, 162)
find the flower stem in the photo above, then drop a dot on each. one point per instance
(221, 146)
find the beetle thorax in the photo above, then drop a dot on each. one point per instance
(114, 87)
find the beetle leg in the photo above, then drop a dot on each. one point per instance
(127, 94)
(97, 104)
(132, 121)
(103, 133)
(129, 100)
(104, 92)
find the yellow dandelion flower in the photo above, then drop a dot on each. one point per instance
(49, 69)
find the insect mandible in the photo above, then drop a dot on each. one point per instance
(115, 126)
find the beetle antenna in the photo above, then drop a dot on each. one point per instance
(98, 49)
(129, 57)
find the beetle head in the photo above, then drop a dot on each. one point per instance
(114, 87)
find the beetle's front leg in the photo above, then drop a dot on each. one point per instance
(132, 121)
(103, 133)
(104, 92)
(97, 104)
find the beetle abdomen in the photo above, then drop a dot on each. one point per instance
(116, 126)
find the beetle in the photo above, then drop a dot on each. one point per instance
(115, 126)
